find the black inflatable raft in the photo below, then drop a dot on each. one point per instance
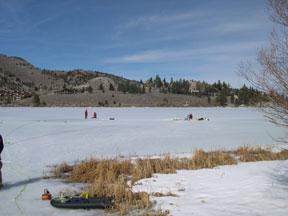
(81, 203)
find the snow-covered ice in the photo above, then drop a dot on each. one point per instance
(243, 189)
(36, 138)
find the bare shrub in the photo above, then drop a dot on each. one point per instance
(271, 73)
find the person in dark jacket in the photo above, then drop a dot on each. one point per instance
(1, 149)
(86, 114)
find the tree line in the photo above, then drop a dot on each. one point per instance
(220, 91)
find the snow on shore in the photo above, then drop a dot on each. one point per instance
(258, 188)
(36, 138)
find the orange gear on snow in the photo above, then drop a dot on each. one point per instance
(46, 195)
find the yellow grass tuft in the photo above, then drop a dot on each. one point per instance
(202, 159)
(251, 154)
(156, 213)
(159, 194)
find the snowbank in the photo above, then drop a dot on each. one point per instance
(258, 188)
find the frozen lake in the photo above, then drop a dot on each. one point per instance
(39, 137)
(31, 132)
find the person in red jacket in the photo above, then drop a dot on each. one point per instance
(94, 115)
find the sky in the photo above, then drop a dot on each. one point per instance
(137, 39)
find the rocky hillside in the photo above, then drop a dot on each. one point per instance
(21, 83)
(17, 71)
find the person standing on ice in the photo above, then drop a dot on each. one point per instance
(94, 115)
(1, 149)
(86, 114)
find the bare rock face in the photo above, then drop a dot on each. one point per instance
(106, 82)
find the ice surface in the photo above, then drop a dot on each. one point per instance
(36, 138)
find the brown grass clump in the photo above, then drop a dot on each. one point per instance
(251, 154)
(61, 170)
(159, 194)
(106, 170)
(283, 155)
(145, 168)
(202, 159)
(156, 213)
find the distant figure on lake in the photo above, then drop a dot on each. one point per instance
(190, 116)
(1, 149)
(94, 115)
(86, 114)
(202, 119)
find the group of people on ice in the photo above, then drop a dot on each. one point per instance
(189, 117)
(94, 114)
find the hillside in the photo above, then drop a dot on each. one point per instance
(23, 84)
(15, 70)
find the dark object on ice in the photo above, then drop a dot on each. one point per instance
(1, 149)
(1, 144)
(202, 119)
(189, 117)
(46, 195)
(81, 203)
(111, 118)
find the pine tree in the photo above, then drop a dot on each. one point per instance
(36, 100)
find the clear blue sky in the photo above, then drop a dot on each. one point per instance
(191, 39)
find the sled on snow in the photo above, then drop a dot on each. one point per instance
(77, 202)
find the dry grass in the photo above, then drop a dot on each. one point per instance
(251, 154)
(202, 159)
(145, 168)
(114, 178)
(159, 194)
(156, 213)
(62, 170)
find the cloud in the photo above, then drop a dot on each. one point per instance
(159, 19)
(42, 22)
(238, 26)
(205, 21)
(156, 56)
(15, 18)
(151, 21)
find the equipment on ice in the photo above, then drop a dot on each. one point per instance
(202, 119)
(81, 202)
(46, 195)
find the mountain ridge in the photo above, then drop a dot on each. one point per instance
(21, 81)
